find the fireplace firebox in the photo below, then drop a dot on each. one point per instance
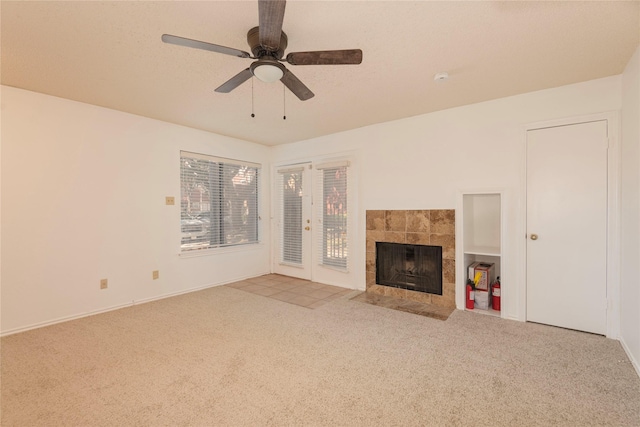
(413, 267)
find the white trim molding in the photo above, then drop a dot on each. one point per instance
(634, 362)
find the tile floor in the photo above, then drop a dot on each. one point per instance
(313, 295)
(291, 290)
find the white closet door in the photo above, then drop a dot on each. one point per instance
(567, 226)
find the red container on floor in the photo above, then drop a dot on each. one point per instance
(495, 296)
(470, 297)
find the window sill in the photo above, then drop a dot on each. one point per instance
(221, 251)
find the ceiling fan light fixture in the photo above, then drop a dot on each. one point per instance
(268, 73)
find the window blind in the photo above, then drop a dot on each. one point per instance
(218, 203)
(290, 215)
(332, 213)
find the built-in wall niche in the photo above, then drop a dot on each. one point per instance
(482, 235)
(482, 223)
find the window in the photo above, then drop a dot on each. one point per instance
(333, 214)
(218, 203)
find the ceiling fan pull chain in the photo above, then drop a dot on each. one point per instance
(284, 104)
(252, 115)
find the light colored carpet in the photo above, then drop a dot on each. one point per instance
(226, 357)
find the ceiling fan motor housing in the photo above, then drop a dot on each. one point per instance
(253, 38)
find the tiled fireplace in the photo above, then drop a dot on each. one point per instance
(432, 228)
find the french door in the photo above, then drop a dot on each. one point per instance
(312, 221)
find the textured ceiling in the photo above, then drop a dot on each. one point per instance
(110, 54)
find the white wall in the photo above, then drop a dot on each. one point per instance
(116, 168)
(83, 191)
(423, 162)
(630, 207)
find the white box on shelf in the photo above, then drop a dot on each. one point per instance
(472, 269)
(481, 300)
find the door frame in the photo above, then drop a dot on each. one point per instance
(353, 276)
(613, 215)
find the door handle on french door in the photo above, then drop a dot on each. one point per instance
(307, 228)
(534, 237)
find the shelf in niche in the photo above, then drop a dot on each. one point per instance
(483, 250)
(488, 312)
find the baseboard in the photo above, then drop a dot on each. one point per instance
(634, 362)
(196, 289)
(118, 307)
(63, 319)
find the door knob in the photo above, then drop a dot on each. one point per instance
(534, 237)
(307, 228)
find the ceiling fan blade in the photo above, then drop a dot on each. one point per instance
(235, 81)
(196, 44)
(296, 86)
(271, 14)
(326, 57)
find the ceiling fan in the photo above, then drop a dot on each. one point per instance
(268, 43)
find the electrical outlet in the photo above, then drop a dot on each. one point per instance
(170, 200)
(155, 274)
(103, 284)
